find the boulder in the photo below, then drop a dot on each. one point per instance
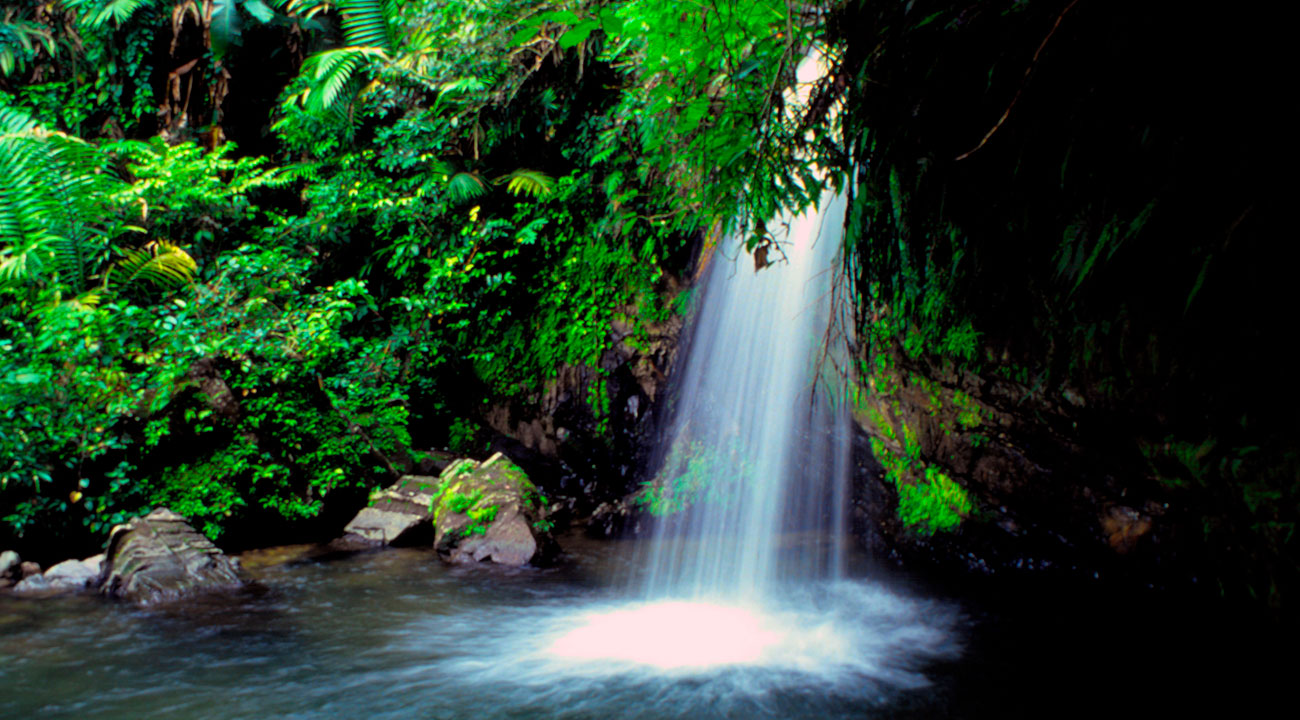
(10, 568)
(490, 511)
(399, 514)
(75, 574)
(160, 557)
(34, 584)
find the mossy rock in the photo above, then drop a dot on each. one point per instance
(398, 514)
(490, 511)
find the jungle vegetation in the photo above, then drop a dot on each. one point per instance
(253, 252)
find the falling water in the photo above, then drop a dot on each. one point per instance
(743, 574)
(756, 460)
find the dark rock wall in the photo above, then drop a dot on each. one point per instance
(1067, 222)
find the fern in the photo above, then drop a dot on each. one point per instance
(56, 189)
(159, 263)
(333, 77)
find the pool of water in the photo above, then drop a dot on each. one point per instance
(395, 634)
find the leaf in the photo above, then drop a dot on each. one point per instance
(577, 34)
(224, 27)
(611, 22)
(522, 36)
(564, 17)
(259, 10)
(465, 186)
(366, 23)
(528, 182)
(159, 263)
(748, 67)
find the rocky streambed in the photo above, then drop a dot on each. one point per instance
(473, 618)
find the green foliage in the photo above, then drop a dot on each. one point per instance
(929, 501)
(695, 473)
(53, 206)
(705, 110)
(92, 74)
(457, 502)
(934, 504)
(464, 199)
(22, 41)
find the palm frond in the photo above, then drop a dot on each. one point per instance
(465, 186)
(19, 42)
(533, 183)
(97, 13)
(332, 73)
(367, 23)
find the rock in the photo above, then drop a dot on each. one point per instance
(490, 511)
(160, 557)
(33, 584)
(399, 514)
(74, 574)
(1123, 526)
(10, 567)
(617, 518)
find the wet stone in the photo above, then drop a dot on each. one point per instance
(399, 514)
(160, 557)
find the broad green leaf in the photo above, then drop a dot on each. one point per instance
(577, 34)
(259, 10)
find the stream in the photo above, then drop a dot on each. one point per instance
(396, 634)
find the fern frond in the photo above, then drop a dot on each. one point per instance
(21, 265)
(56, 188)
(158, 263)
(305, 9)
(533, 183)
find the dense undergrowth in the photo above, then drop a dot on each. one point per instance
(290, 241)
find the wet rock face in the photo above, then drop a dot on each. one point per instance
(399, 514)
(589, 456)
(160, 557)
(490, 511)
(1028, 478)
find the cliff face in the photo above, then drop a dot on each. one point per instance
(1074, 292)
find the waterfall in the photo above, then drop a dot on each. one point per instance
(755, 463)
(745, 566)
(752, 472)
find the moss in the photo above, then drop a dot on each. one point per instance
(968, 410)
(933, 503)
